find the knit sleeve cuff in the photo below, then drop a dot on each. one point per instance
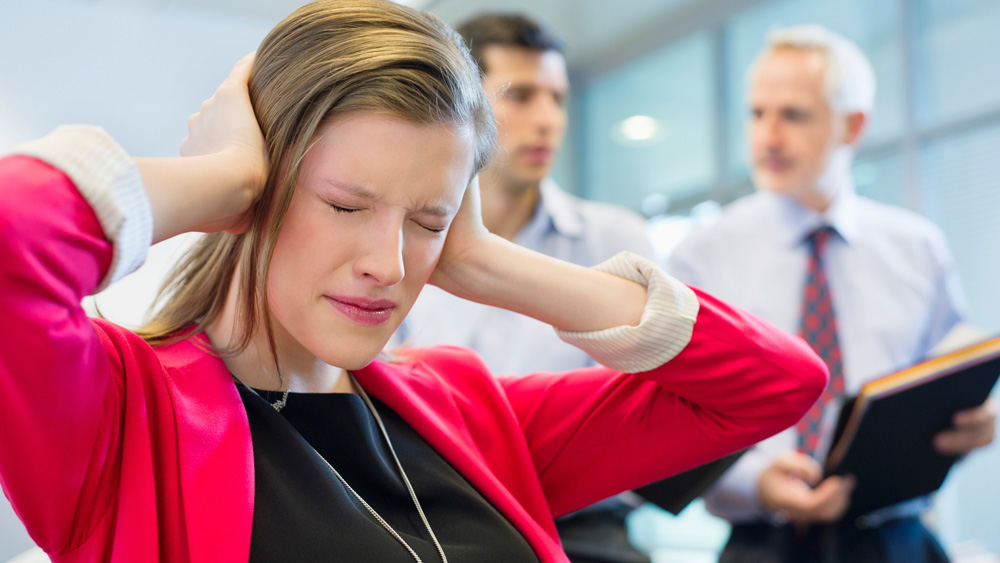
(663, 331)
(109, 180)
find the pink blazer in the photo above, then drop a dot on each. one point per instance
(112, 450)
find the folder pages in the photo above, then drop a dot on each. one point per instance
(884, 435)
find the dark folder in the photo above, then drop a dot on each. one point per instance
(884, 435)
(673, 494)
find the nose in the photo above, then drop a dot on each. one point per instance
(381, 259)
(766, 133)
(547, 114)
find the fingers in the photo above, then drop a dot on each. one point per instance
(238, 78)
(225, 122)
(979, 416)
(784, 487)
(469, 219)
(785, 484)
(800, 466)
(241, 70)
(235, 84)
(829, 500)
(973, 428)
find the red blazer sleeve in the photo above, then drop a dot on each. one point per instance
(60, 380)
(593, 433)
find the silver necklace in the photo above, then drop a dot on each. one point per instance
(280, 404)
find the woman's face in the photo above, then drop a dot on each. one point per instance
(364, 230)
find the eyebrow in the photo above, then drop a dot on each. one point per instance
(365, 193)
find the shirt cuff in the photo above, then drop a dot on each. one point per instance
(663, 331)
(107, 177)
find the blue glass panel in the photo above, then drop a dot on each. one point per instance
(882, 178)
(958, 72)
(959, 176)
(667, 149)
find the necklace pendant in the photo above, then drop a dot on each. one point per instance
(280, 403)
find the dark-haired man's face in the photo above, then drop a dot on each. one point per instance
(528, 89)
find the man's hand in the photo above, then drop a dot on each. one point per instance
(793, 486)
(973, 428)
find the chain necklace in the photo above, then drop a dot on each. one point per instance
(280, 404)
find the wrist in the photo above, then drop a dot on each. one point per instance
(469, 275)
(248, 171)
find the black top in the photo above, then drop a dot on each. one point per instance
(303, 513)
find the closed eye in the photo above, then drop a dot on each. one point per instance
(340, 209)
(431, 229)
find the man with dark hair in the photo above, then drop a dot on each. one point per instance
(524, 72)
(508, 30)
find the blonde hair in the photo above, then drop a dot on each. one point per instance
(329, 58)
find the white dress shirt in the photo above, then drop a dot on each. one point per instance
(895, 296)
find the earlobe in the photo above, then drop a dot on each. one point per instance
(855, 127)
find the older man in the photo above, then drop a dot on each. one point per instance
(870, 286)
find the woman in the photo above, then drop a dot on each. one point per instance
(250, 419)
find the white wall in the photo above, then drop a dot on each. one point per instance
(137, 71)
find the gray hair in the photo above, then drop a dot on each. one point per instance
(849, 81)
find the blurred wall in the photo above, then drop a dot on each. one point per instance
(138, 71)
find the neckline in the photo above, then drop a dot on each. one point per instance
(367, 401)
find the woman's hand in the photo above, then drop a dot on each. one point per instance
(226, 125)
(485, 268)
(223, 169)
(467, 239)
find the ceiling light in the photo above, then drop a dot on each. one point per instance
(638, 131)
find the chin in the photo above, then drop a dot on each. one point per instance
(533, 174)
(351, 362)
(351, 351)
(768, 183)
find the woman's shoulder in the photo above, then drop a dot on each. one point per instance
(185, 349)
(444, 358)
(452, 367)
(121, 341)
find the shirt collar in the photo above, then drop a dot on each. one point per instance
(556, 210)
(793, 222)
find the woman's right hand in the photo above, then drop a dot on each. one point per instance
(226, 125)
(222, 170)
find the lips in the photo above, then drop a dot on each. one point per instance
(537, 154)
(773, 164)
(366, 312)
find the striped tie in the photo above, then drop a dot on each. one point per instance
(819, 329)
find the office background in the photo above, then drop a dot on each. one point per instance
(657, 124)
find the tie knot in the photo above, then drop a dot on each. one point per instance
(818, 238)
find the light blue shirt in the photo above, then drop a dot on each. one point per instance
(895, 296)
(563, 226)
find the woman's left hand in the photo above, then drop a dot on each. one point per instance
(468, 239)
(483, 267)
